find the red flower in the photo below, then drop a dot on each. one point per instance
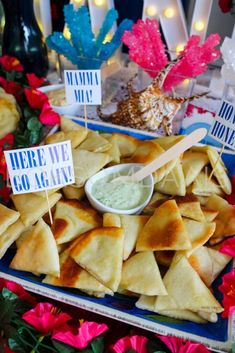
(10, 63)
(45, 318)
(231, 198)
(12, 87)
(178, 345)
(48, 116)
(225, 5)
(35, 98)
(7, 350)
(18, 290)
(82, 337)
(228, 289)
(35, 81)
(7, 141)
(228, 247)
(136, 343)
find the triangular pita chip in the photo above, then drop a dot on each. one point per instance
(38, 254)
(190, 207)
(73, 192)
(114, 151)
(7, 217)
(126, 144)
(95, 142)
(204, 186)
(99, 251)
(71, 219)
(173, 183)
(168, 141)
(67, 125)
(87, 164)
(32, 207)
(10, 235)
(219, 169)
(188, 291)
(208, 263)
(154, 202)
(225, 221)
(209, 215)
(74, 276)
(193, 163)
(199, 233)
(76, 137)
(140, 274)
(165, 230)
(111, 220)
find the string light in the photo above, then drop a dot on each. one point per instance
(169, 12)
(179, 48)
(199, 26)
(186, 82)
(99, 2)
(151, 10)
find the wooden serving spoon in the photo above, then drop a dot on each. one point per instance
(165, 157)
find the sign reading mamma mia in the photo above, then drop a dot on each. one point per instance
(40, 168)
(223, 127)
(83, 86)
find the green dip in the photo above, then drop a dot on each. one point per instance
(121, 196)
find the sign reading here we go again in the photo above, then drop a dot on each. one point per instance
(40, 168)
(223, 127)
(83, 86)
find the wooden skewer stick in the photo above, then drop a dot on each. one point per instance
(49, 208)
(85, 115)
(218, 158)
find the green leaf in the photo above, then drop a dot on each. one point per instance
(34, 137)
(63, 348)
(16, 345)
(6, 313)
(7, 294)
(27, 112)
(34, 124)
(97, 345)
(130, 351)
(10, 75)
(156, 346)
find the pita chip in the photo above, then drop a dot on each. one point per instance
(95, 142)
(7, 217)
(225, 221)
(111, 220)
(190, 207)
(67, 125)
(87, 164)
(188, 291)
(168, 141)
(32, 207)
(10, 236)
(140, 274)
(173, 183)
(209, 215)
(71, 219)
(165, 230)
(193, 163)
(199, 233)
(99, 252)
(74, 276)
(146, 302)
(220, 171)
(73, 192)
(156, 200)
(38, 253)
(208, 263)
(126, 144)
(204, 186)
(164, 258)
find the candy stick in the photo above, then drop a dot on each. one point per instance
(219, 156)
(49, 208)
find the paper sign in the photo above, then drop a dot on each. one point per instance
(40, 168)
(83, 86)
(223, 127)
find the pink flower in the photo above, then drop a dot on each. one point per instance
(35, 81)
(18, 290)
(35, 98)
(45, 318)
(228, 289)
(228, 247)
(137, 343)
(82, 337)
(10, 63)
(48, 116)
(178, 345)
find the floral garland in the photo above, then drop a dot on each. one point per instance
(35, 112)
(27, 326)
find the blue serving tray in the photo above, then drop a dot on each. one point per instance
(217, 336)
